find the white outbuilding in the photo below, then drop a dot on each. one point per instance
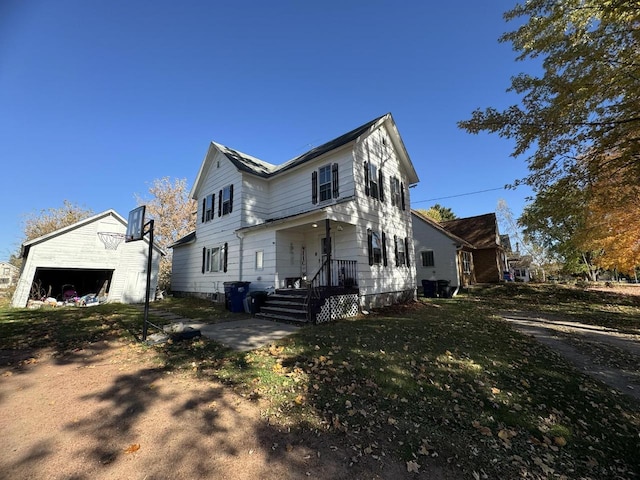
(89, 257)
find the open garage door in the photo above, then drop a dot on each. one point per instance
(54, 281)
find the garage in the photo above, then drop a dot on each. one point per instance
(89, 257)
(54, 282)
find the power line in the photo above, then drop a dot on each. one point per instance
(460, 195)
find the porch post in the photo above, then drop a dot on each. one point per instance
(327, 228)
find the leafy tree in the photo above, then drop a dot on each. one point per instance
(174, 217)
(555, 220)
(439, 213)
(585, 104)
(37, 224)
(614, 232)
(578, 122)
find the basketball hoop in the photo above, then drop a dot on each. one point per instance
(111, 240)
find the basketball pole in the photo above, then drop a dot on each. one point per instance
(146, 299)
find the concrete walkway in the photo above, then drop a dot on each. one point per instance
(244, 334)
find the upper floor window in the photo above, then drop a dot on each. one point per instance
(325, 183)
(325, 179)
(207, 207)
(373, 181)
(397, 192)
(225, 200)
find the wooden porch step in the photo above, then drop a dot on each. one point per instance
(281, 318)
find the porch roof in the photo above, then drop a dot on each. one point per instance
(308, 215)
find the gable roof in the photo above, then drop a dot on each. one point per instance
(481, 230)
(436, 226)
(255, 166)
(188, 238)
(61, 231)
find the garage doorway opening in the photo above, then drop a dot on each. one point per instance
(55, 281)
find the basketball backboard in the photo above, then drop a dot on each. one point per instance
(135, 225)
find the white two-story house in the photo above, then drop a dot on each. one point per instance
(333, 223)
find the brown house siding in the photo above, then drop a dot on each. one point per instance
(487, 265)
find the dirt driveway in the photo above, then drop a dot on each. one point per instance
(606, 354)
(107, 413)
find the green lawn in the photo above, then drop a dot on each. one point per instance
(440, 381)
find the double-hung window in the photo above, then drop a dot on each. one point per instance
(427, 258)
(401, 250)
(214, 259)
(373, 181)
(207, 208)
(227, 193)
(377, 246)
(466, 262)
(325, 183)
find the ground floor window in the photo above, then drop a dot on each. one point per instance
(427, 258)
(466, 262)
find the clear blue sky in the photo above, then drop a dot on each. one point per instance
(99, 98)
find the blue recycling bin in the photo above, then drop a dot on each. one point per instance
(234, 294)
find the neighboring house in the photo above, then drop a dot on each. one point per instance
(519, 265)
(8, 275)
(441, 255)
(333, 223)
(91, 256)
(489, 259)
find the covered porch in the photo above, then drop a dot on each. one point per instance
(315, 270)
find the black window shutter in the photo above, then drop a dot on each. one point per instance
(395, 246)
(204, 256)
(226, 257)
(392, 192)
(314, 187)
(366, 179)
(213, 206)
(381, 185)
(402, 194)
(204, 207)
(406, 251)
(230, 197)
(384, 249)
(334, 180)
(219, 203)
(370, 245)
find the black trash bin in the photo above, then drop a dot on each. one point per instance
(257, 299)
(429, 288)
(234, 293)
(444, 290)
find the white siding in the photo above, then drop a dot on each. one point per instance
(187, 275)
(382, 216)
(444, 254)
(291, 191)
(289, 194)
(80, 248)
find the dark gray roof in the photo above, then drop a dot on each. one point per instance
(188, 238)
(247, 163)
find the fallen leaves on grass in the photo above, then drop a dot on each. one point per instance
(413, 466)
